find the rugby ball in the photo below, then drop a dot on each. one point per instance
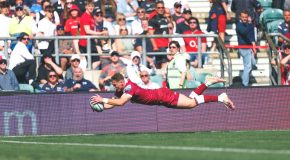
(99, 107)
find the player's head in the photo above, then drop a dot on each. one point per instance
(118, 81)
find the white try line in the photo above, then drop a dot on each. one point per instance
(207, 149)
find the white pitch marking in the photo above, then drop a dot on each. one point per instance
(208, 149)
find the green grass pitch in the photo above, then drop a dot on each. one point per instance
(258, 145)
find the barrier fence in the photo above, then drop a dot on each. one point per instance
(266, 108)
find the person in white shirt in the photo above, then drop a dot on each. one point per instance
(22, 61)
(133, 70)
(5, 20)
(146, 82)
(47, 28)
(136, 24)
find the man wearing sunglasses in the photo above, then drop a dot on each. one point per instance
(8, 79)
(22, 61)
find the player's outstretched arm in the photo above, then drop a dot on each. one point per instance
(111, 103)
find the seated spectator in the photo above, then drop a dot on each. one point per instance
(191, 43)
(22, 61)
(124, 45)
(285, 65)
(129, 8)
(146, 82)
(283, 28)
(138, 43)
(8, 79)
(47, 64)
(109, 9)
(177, 15)
(65, 47)
(115, 66)
(133, 70)
(79, 83)
(121, 23)
(137, 23)
(74, 63)
(40, 15)
(53, 84)
(5, 20)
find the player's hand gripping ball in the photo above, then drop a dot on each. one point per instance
(98, 107)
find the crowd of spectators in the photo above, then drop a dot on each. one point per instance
(29, 19)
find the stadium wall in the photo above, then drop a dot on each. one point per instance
(55, 114)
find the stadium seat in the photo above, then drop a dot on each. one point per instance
(26, 87)
(270, 15)
(272, 27)
(266, 3)
(157, 79)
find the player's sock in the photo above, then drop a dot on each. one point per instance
(198, 91)
(206, 98)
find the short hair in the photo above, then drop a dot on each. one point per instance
(49, 8)
(159, 2)
(90, 3)
(117, 77)
(244, 12)
(174, 42)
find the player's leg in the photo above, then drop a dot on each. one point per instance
(200, 89)
(185, 102)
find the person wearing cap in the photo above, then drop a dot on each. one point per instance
(115, 66)
(5, 20)
(47, 64)
(177, 15)
(74, 63)
(22, 61)
(133, 70)
(8, 80)
(285, 65)
(22, 23)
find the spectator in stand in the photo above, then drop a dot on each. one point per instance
(65, 47)
(109, 10)
(285, 65)
(47, 64)
(191, 43)
(136, 24)
(59, 6)
(116, 66)
(74, 63)
(128, 8)
(81, 4)
(22, 61)
(22, 23)
(53, 84)
(121, 23)
(183, 25)
(149, 6)
(218, 16)
(283, 28)
(170, 4)
(133, 70)
(138, 43)
(72, 28)
(87, 27)
(146, 82)
(46, 28)
(176, 67)
(79, 83)
(19, 3)
(159, 25)
(8, 79)
(40, 15)
(104, 45)
(35, 8)
(246, 37)
(124, 46)
(65, 14)
(5, 20)
(177, 15)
